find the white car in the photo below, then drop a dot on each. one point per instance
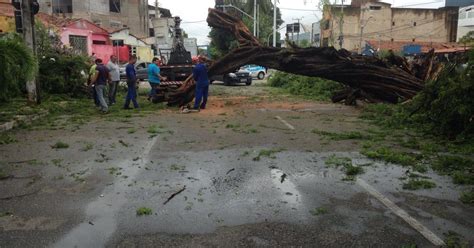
(255, 71)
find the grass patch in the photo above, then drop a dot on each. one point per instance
(5, 214)
(318, 211)
(459, 168)
(267, 153)
(416, 184)
(342, 136)
(175, 167)
(454, 240)
(132, 131)
(333, 160)
(144, 211)
(6, 139)
(467, 197)
(87, 147)
(350, 170)
(60, 145)
(391, 156)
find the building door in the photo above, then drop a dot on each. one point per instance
(78, 44)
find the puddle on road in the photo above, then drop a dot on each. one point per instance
(289, 192)
(101, 215)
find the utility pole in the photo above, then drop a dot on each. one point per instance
(258, 21)
(255, 18)
(157, 12)
(274, 22)
(28, 21)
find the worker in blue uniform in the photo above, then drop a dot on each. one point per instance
(202, 83)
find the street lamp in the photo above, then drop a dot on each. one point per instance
(255, 21)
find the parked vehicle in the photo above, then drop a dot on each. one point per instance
(255, 71)
(140, 67)
(234, 78)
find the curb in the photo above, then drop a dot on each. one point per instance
(19, 119)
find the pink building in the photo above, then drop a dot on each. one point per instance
(82, 36)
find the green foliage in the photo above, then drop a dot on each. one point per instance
(415, 184)
(318, 211)
(350, 169)
(267, 153)
(60, 71)
(444, 108)
(144, 211)
(17, 65)
(223, 41)
(467, 197)
(461, 169)
(468, 38)
(314, 88)
(60, 145)
(351, 135)
(454, 240)
(392, 156)
(63, 74)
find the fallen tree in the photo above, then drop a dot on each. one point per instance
(391, 80)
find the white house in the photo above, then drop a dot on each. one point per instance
(123, 38)
(466, 21)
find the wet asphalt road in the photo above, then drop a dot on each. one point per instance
(231, 197)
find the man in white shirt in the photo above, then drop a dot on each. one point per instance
(114, 70)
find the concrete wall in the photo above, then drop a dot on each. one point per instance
(134, 14)
(381, 22)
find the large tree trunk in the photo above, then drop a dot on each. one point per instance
(369, 76)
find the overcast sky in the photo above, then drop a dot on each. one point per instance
(194, 12)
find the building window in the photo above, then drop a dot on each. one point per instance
(118, 43)
(78, 44)
(391, 39)
(393, 23)
(413, 39)
(373, 7)
(152, 32)
(114, 6)
(414, 24)
(61, 6)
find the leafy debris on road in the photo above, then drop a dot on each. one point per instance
(318, 211)
(144, 211)
(60, 145)
(283, 177)
(174, 194)
(467, 197)
(233, 169)
(267, 153)
(415, 184)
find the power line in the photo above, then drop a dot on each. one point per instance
(194, 21)
(416, 4)
(298, 9)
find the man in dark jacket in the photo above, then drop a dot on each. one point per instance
(101, 78)
(202, 84)
(131, 83)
